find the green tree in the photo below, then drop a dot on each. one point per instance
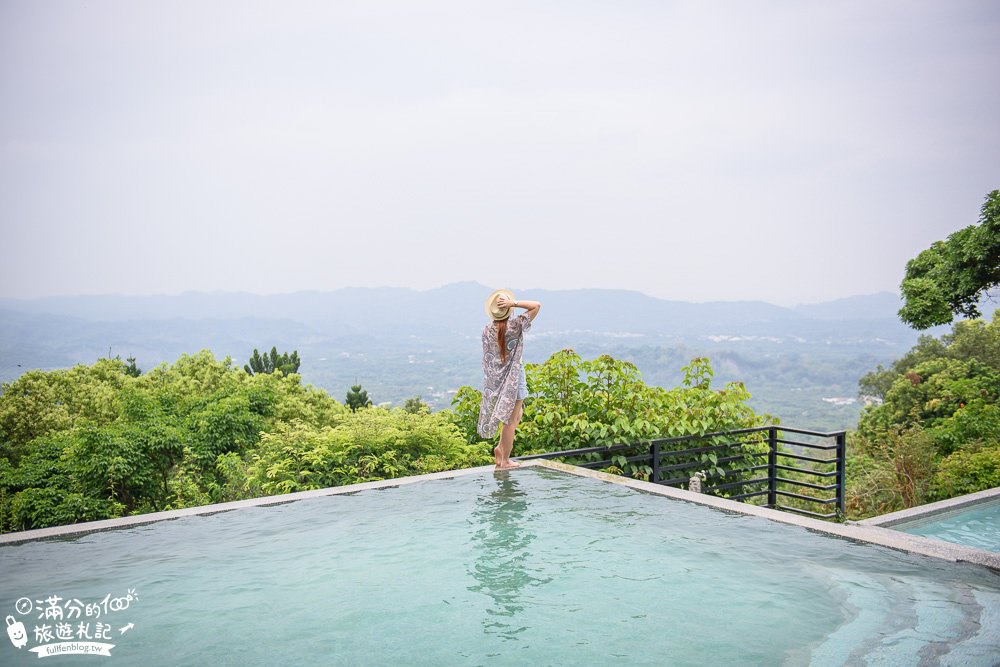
(39, 403)
(361, 446)
(132, 370)
(415, 405)
(465, 412)
(270, 362)
(94, 442)
(877, 383)
(966, 471)
(358, 398)
(951, 277)
(40, 489)
(936, 432)
(576, 403)
(949, 386)
(890, 471)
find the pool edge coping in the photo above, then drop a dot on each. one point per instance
(932, 509)
(867, 533)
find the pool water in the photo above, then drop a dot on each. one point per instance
(974, 526)
(531, 566)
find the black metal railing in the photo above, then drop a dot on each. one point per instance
(770, 463)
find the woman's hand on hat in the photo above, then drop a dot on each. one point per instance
(504, 302)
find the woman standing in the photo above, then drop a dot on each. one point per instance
(504, 385)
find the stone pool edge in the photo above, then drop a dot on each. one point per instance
(932, 509)
(870, 534)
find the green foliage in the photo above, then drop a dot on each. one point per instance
(966, 471)
(39, 403)
(99, 441)
(40, 491)
(224, 423)
(951, 277)
(51, 506)
(937, 431)
(575, 403)
(270, 362)
(949, 386)
(357, 398)
(972, 425)
(975, 340)
(132, 370)
(931, 393)
(415, 405)
(31, 407)
(877, 383)
(121, 463)
(465, 412)
(788, 380)
(889, 472)
(362, 446)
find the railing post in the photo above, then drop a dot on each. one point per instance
(772, 467)
(655, 477)
(841, 469)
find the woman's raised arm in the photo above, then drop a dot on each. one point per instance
(531, 306)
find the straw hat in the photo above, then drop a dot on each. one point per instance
(495, 311)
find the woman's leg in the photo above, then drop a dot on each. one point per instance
(507, 436)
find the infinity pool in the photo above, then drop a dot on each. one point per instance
(973, 525)
(531, 566)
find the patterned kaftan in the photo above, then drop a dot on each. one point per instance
(500, 380)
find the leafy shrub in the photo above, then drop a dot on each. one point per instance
(889, 472)
(43, 507)
(363, 446)
(966, 471)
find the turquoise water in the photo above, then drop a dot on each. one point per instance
(974, 526)
(524, 567)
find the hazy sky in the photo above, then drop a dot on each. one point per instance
(787, 151)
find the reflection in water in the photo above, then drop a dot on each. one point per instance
(502, 542)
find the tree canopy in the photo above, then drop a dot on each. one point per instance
(951, 277)
(270, 362)
(934, 429)
(95, 442)
(357, 398)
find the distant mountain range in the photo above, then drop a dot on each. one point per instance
(58, 331)
(401, 342)
(455, 306)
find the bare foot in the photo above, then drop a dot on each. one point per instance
(496, 457)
